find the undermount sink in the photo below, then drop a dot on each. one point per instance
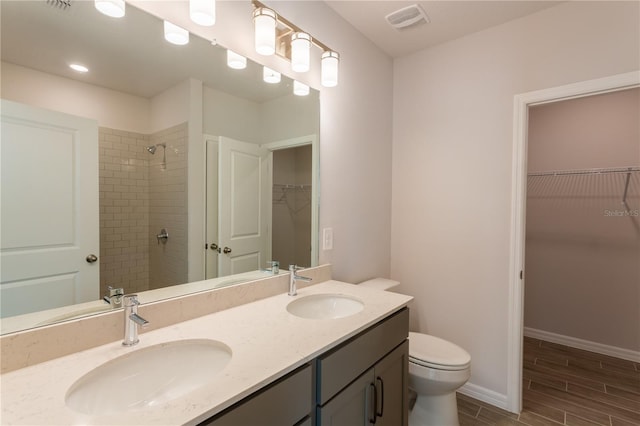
(325, 306)
(148, 377)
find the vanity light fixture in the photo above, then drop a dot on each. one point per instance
(270, 76)
(113, 8)
(203, 12)
(300, 89)
(236, 61)
(264, 22)
(175, 34)
(329, 68)
(274, 33)
(300, 51)
(79, 68)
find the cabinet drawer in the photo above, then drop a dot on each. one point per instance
(344, 364)
(286, 402)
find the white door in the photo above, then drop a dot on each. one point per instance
(244, 206)
(49, 209)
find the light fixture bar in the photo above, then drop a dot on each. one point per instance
(294, 28)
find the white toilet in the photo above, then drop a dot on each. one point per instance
(437, 368)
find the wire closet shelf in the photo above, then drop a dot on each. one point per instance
(623, 176)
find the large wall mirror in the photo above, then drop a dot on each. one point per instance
(160, 171)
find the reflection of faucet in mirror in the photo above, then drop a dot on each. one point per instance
(273, 266)
(114, 298)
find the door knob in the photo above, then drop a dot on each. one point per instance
(91, 258)
(213, 246)
(226, 250)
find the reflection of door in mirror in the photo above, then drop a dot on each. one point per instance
(243, 206)
(238, 207)
(49, 209)
(258, 213)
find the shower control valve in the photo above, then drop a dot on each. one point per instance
(162, 236)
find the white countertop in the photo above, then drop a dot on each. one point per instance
(267, 342)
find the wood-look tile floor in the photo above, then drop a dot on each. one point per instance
(566, 386)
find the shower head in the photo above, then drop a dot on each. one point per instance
(152, 148)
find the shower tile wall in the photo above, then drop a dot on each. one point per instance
(168, 207)
(124, 210)
(138, 197)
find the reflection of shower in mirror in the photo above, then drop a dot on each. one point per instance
(152, 150)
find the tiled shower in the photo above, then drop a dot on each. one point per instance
(141, 193)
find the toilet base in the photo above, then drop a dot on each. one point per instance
(435, 410)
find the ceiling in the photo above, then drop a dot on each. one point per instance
(449, 19)
(42, 37)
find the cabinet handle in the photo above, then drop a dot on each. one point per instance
(379, 413)
(372, 415)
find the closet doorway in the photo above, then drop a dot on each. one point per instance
(523, 105)
(582, 244)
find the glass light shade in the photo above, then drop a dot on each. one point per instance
(300, 55)
(300, 89)
(235, 61)
(175, 34)
(203, 12)
(113, 8)
(329, 72)
(264, 21)
(270, 76)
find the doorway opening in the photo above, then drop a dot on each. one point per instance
(522, 103)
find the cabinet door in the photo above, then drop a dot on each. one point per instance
(391, 381)
(353, 406)
(284, 403)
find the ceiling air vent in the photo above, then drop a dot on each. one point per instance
(407, 17)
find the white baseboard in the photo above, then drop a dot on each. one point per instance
(485, 395)
(586, 345)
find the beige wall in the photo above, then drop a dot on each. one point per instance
(452, 163)
(583, 265)
(592, 132)
(110, 108)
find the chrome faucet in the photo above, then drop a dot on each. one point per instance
(132, 320)
(293, 277)
(273, 266)
(114, 298)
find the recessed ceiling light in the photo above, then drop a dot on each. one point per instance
(79, 68)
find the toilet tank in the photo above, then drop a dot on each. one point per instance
(381, 284)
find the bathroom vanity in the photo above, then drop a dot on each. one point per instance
(363, 381)
(345, 366)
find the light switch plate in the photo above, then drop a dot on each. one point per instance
(327, 239)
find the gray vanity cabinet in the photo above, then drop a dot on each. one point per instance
(365, 381)
(287, 402)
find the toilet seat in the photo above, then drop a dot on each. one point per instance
(433, 352)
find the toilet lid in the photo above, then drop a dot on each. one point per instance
(431, 351)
